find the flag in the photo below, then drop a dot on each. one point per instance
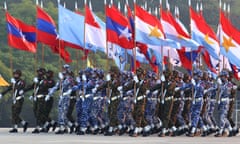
(20, 35)
(46, 28)
(117, 53)
(89, 64)
(209, 61)
(3, 82)
(174, 31)
(149, 30)
(203, 34)
(95, 36)
(230, 40)
(118, 28)
(71, 26)
(235, 71)
(187, 57)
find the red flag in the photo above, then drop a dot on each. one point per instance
(20, 35)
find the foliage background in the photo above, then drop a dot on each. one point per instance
(26, 11)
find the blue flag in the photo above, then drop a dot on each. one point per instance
(71, 26)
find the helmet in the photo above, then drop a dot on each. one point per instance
(41, 70)
(224, 73)
(198, 72)
(49, 73)
(17, 71)
(66, 68)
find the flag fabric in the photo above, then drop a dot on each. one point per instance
(20, 35)
(230, 40)
(95, 36)
(187, 57)
(89, 64)
(3, 82)
(174, 31)
(209, 61)
(203, 34)
(149, 30)
(71, 26)
(236, 71)
(118, 28)
(46, 28)
(117, 53)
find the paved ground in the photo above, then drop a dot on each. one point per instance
(51, 138)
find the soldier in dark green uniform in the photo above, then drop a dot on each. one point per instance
(232, 99)
(167, 101)
(17, 86)
(111, 85)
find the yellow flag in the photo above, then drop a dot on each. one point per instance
(3, 82)
(89, 64)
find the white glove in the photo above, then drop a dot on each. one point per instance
(135, 78)
(135, 101)
(193, 102)
(205, 91)
(96, 86)
(163, 78)
(21, 92)
(60, 75)
(108, 77)
(108, 100)
(148, 91)
(234, 87)
(0, 96)
(47, 98)
(182, 92)
(67, 93)
(177, 89)
(193, 82)
(31, 98)
(35, 80)
(94, 90)
(158, 81)
(84, 78)
(78, 79)
(13, 81)
(120, 88)
(219, 81)
(219, 102)
(162, 101)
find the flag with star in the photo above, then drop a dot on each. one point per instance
(20, 35)
(203, 34)
(118, 28)
(149, 30)
(229, 38)
(173, 30)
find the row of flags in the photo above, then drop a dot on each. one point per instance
(154, 38)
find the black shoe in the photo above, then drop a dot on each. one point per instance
(145, 134)
(54, 126)
(65, 130)
(231, 133)
(60, 132)
(71, 129)
(175, 133)
(131, 132)
(218, 135)
(43, 130)
(80, 133)
(108, 133)
(13, 130)
(122, 131)
(25, 126)
(96, 131)
(77, 129)
(35, 131)
(190, 134)
(204, 134)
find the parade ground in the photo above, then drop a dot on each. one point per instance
(51, 138)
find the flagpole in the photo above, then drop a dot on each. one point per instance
(84, 40)
(10, 49)
(59, 49)
(77, 51)
(105, 5)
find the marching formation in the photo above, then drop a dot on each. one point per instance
(118, 103)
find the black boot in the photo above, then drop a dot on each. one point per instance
(231, 133)
(146, 133)
(25, 126)
(108, 133)
(96, 131)
(14, 130)
(204, 134)
(60, 132)
(35, 131)
(54, 126)
(72, 129)
(80, 132)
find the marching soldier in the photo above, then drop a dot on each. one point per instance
(167, 101)
(40, 90)
(17, 87)
(64, 85)
(232, 99)
(196, 102)
(223, 104)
